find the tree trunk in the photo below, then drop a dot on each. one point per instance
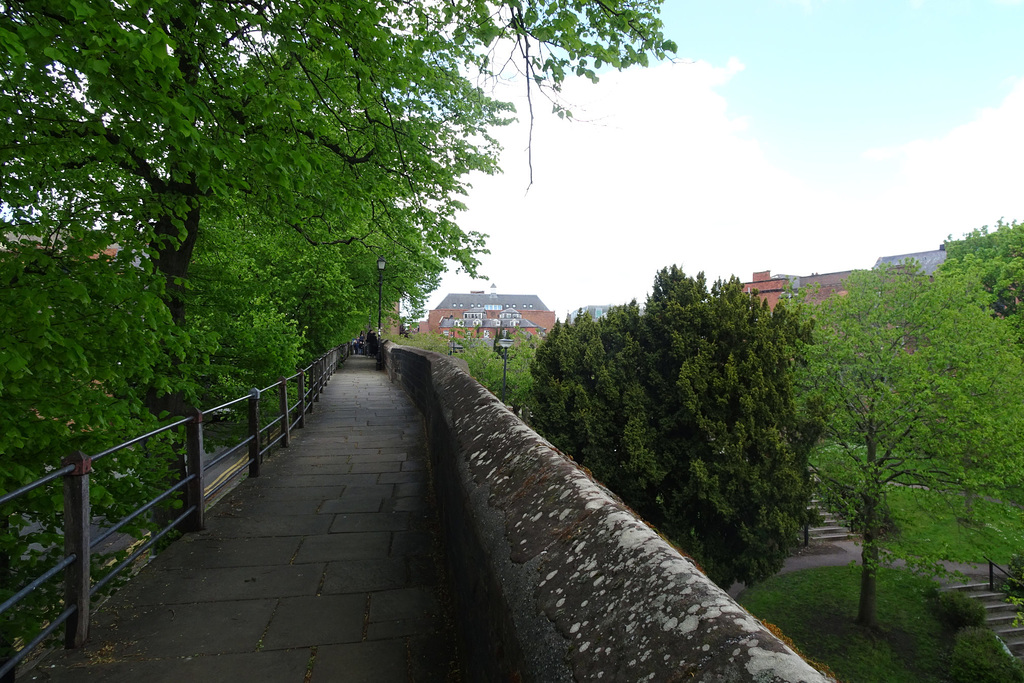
(867, 609)
(173, 256)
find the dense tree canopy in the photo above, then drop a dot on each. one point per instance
(996, 260)
(350, 126)
(687, 411)
(920, 388)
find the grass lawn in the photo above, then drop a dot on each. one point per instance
(815, 608)
(929, 524)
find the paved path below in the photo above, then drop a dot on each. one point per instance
(326, 568)
(840, 553)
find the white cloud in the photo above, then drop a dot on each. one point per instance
(967, 178)
(657, 171)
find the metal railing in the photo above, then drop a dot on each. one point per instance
(992, 567)
(76, 565)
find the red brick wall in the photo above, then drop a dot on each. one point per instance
(768, 289)
(544, 319)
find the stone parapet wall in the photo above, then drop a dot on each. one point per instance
(554, 578)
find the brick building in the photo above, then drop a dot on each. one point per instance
(771, 289)
(489, 312)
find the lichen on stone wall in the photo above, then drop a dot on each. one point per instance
(627, 605)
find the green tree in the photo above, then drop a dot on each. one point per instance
(919, 386)
(428, 341)
(486, 364)
(353, 126)
(688, 412)
(722, 396)
(996, 260)
(590, 400)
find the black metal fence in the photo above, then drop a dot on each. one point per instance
(291, 397)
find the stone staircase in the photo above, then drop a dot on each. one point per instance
(999, 615)
(831, 528)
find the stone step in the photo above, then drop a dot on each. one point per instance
(1016, 647)
(1013, 632)
(831, 537)
(994, 622)
(968, 587)
(999, 621)
(999, 606)
(987, 596)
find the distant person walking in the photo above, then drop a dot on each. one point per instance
(371, 343)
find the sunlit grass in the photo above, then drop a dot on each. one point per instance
(927, 523)
(816, 608)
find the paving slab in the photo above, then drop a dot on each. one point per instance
(369, 575)
(340, 547)
(325, 568)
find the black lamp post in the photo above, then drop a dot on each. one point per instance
(381, 263)
(504, 343)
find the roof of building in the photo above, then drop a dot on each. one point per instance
(929, 260)
(824, 279)
(481, 300)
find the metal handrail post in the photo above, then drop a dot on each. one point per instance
(254, 432)
(282, 393)
(315, 380)
(302, 399)
(195, 490)
(77, 576)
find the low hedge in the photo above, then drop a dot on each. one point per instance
(958, 611)
(980, 657)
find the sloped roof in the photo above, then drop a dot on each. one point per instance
(929, 260)
(824, 279)
(479, 300)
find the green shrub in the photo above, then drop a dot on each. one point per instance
(979, 657)
(958, 611)
(1015, 581)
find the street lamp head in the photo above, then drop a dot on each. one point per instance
(381, 263)
(505, 342)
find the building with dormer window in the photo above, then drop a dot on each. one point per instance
(490, 312)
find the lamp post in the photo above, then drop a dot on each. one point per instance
(381, 263)
(504, 343)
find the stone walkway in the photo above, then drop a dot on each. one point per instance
(325, 568)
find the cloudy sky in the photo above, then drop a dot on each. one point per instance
(797, 137)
